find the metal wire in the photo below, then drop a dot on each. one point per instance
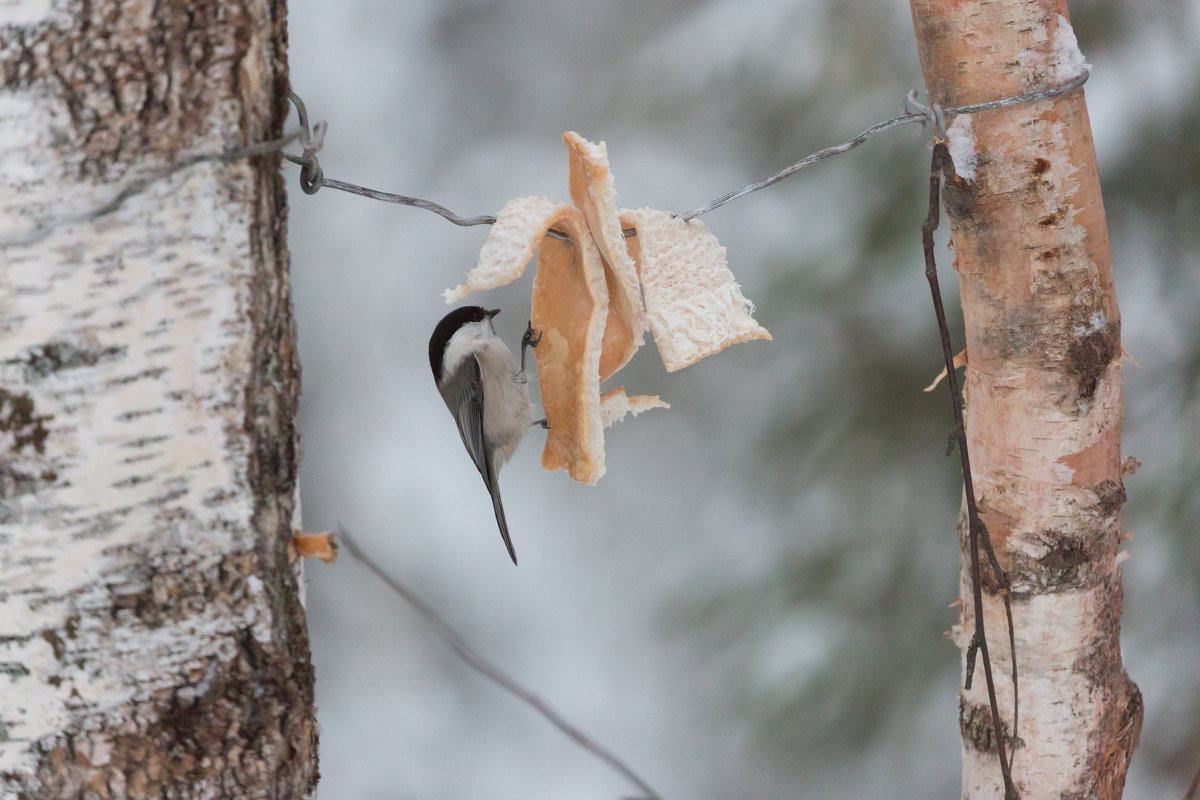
(312, 177)
(918, 113)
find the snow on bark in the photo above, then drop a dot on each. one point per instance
(25, 12)
(960, 140)
(1069, 60)
(152, 638)
(1043, 391)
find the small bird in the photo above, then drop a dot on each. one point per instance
(485, 391)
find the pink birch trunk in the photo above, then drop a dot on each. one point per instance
(1043, 391)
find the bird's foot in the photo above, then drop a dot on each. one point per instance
(528, 341)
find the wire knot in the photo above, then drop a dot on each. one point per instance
(312, 177)
(932, 113)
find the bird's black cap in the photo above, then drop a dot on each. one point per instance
(447, 327)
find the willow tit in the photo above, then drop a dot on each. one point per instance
(485, 391)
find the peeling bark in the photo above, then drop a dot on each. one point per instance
(1043, 385)
(152, 633)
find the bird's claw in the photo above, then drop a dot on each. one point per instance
(527, 340)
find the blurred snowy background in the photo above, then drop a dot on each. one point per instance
(751, 603)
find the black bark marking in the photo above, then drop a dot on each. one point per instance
(1052, 218)
(44, 360)
(1068, 564)
(975, 721)
(23, 435)
(1088, 356)
(1074, 561)
(25, 428)
(1110, 496)
(1052, 253)
(176, 588)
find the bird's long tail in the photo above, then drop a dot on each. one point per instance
(499, 507)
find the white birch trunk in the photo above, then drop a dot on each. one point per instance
(152, 637)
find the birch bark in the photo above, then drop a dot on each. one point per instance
(152, 634)
(1043, 385)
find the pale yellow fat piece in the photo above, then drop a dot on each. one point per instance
(569, 309)
(615, 405)
(519, 227)
(693, 304)
(592, 192)
(588, 299)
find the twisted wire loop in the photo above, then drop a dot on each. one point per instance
(312, 139)
(933, 114)
(312, 176)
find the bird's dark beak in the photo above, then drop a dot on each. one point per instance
(492, 313)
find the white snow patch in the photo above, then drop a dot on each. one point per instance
(24, 12)
(1068, 59)
(1095, 324)
(259, 626)
(961, 142)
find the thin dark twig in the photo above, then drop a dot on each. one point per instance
(477, 662)
(1006, 596)
(942, 163)
(1191, 792)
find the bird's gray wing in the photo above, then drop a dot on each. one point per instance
(463, 393)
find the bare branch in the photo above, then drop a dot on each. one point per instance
(943, 164)
(472, 658)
